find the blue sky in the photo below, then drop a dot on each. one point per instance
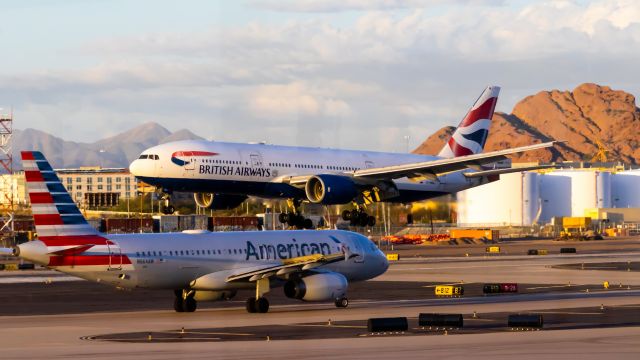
(349, 73)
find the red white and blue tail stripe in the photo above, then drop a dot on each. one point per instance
(54, 212)
(471, 135)
(60, 225)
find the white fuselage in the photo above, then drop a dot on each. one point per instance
(258, 169)
(174, 260)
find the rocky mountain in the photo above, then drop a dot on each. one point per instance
(114, 151)
(582, 117)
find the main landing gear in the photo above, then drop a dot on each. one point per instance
(295, 219)
(259, 304)
(358, 217)
(342, 302)
(184, 301)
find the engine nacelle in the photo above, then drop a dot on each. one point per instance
(218, 201)
(202, 295)
(319, 287)
(330, 189)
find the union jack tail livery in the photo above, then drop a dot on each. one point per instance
(471, 135)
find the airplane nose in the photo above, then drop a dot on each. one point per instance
(385, 262)
(135, 168)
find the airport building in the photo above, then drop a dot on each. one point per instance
(89, 187)
(13, 189)
(98, 187)
(529, 198)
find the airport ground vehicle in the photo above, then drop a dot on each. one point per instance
(196, 265)
(222, 175)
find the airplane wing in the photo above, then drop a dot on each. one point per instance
(494, 172)
(289, 266)
(432, 169)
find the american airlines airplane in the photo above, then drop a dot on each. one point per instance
(198, 265)
(223, 175)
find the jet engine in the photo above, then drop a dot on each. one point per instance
(202, 295)
(218, 201)
(330, 189)
(318, 287)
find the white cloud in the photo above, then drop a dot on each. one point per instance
(331, 6)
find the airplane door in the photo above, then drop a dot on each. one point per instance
(190, 164)
(115, 256)
(256, 160)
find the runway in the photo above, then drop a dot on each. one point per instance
(405, 290)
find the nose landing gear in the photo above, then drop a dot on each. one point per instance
(165, 204)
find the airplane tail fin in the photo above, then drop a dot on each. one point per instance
(57, 218)
(471, 135)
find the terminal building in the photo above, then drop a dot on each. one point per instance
(535, 198)
(97, 187)
(89, 187)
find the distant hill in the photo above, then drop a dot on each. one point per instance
(114, 151)
(588, 114)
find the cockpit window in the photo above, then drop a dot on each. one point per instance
(150, 157)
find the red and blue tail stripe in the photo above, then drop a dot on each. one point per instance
(60, 225)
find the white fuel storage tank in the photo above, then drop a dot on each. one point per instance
(512, 200)
(625, 189)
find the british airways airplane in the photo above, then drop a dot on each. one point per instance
(197, 265)
(222, 175)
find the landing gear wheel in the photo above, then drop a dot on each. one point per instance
(177, 304)
(189, 304)
(342, 302)
(363, 219)
(251, 305)
(184, 304)
(307, 224)
(262, 305)
(284, 218)
(168, 210)
(371, 221)
(346, 215)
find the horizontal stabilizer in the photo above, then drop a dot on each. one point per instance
(72, 250)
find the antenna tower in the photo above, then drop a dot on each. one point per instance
(6, 180)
